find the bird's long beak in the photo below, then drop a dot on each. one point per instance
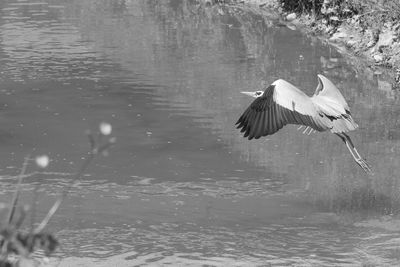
(249, 93)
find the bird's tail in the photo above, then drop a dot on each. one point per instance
(343, 124)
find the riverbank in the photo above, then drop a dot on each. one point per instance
(366, 31)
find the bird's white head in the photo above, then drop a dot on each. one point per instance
(254, 94)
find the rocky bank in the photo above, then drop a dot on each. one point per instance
(368, 31)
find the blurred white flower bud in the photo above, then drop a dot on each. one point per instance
(42, 161)
(105, 128)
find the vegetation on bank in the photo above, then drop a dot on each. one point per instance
(375, 14)
(384, 9)
(369, 28)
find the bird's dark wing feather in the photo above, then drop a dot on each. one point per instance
(265, 116)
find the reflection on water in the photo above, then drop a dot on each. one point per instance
(182, 185)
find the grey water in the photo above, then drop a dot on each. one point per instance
(181, 186)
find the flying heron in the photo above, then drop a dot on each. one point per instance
(282, 103)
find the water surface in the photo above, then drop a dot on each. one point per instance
(182, 186)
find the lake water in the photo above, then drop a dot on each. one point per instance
(182, 187)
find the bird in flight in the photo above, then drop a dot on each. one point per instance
(282, 103)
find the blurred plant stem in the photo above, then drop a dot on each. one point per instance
(22, 243)
(96, 148)
(18, 190)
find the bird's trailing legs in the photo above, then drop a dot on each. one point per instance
(353, 151)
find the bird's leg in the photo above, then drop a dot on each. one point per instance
(301, 126)
(350, 146)
(306, 129)
(351, 143)
(353, 148)
(358, 154)
(311, 130)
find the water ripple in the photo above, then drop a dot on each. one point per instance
(197, 244)
(41, 45)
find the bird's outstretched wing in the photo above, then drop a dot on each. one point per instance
(328, 91)
(330, 101)
(281, 104)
